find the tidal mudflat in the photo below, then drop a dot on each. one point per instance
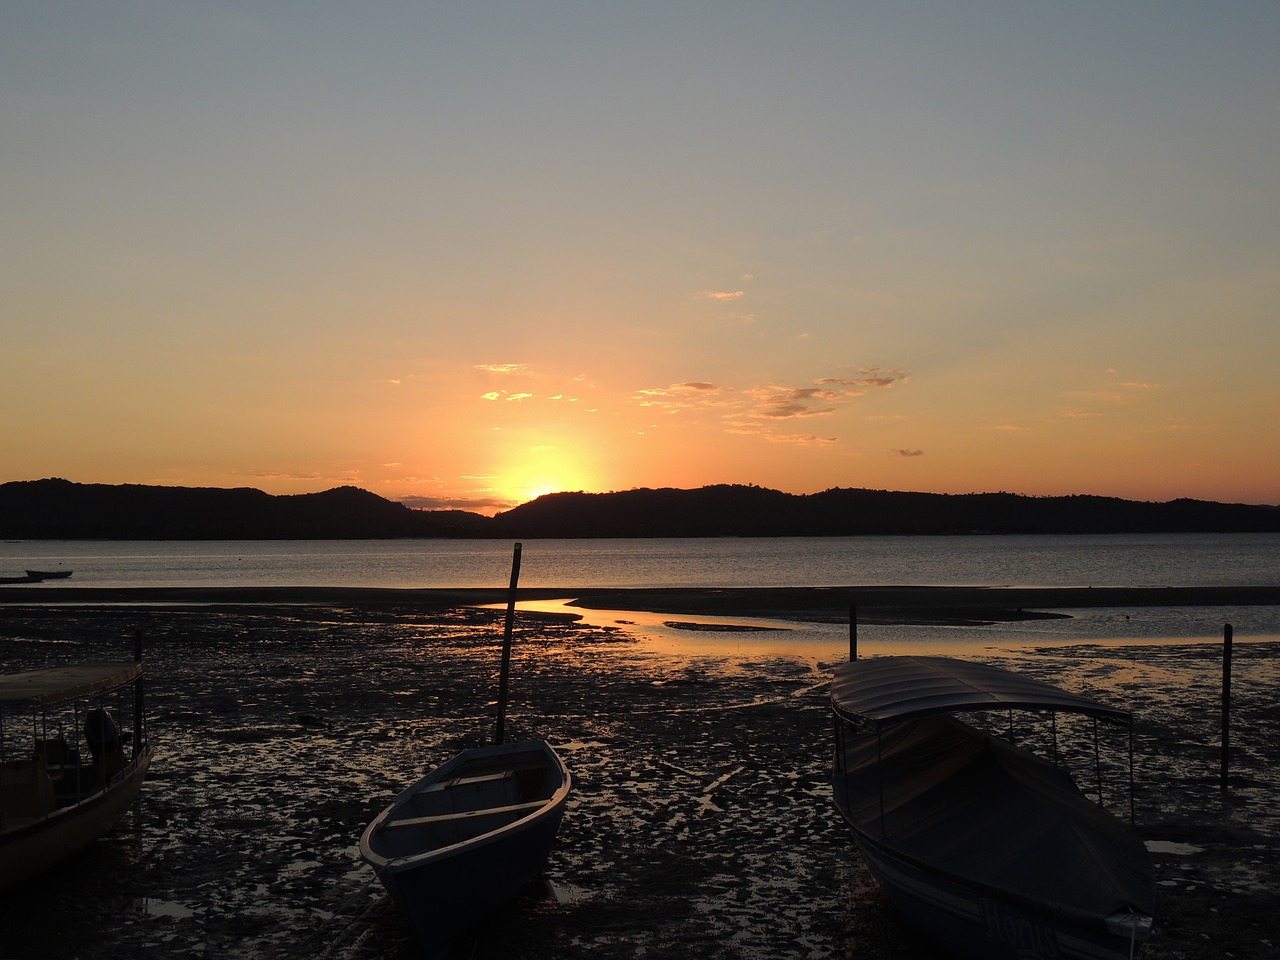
(700, 823)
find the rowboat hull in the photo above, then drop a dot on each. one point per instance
(975, 925)
(28, 848)
(983, 846)
(468, 836)
(48, 574)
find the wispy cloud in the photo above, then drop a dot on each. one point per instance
(823, 396)
(1097, 402)
(801, 439)
(684, 396)
(784, 403)
(749, 410)
(504, 368)
(723, 295)
(909, 453)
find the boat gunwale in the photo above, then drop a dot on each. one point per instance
(550, 806)
(1084, 921)
(134, 770)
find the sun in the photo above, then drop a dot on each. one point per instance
(526, 487)
(544, 470)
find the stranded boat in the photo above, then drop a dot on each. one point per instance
(987, 847)
(467, 836)
(67, 770)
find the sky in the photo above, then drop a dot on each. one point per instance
(464, 254)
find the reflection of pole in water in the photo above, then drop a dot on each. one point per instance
(853, 631)
(1226, 703)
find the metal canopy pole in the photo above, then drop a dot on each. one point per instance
(139, 702)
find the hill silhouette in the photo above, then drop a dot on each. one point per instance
(62, 510)
(735, 510)
(59, 509)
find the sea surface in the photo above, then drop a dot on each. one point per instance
(1062, 561)
(1162, 560)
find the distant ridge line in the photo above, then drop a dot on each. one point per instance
(56, 509)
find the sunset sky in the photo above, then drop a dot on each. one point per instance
(464, 254)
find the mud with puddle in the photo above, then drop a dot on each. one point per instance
(700, 824)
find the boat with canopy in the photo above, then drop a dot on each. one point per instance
(987, 847)
(74, 752)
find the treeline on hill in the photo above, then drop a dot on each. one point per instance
(60, 509)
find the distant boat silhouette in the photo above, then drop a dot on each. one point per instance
(49, 574)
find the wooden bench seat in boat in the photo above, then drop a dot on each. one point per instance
(463, 815)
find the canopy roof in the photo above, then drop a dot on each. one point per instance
(889, 690)
(57, 684)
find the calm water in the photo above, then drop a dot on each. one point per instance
(1121, 560)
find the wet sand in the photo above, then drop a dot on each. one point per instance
(700, 823)
(875, 604)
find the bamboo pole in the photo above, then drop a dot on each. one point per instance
(503, 676)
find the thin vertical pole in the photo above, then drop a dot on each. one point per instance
(880, 777)
(138, 697)
(1226, 703)
(503, 682)
(1133, 815)
(1097, 761)
(853, 632)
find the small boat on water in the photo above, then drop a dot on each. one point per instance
(49, 574)
(67, 770)
(986, 847)
(469, 835)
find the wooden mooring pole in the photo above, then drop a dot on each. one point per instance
(853, 631)
(1226, 705)
(500, 732)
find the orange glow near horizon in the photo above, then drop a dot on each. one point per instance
(683, 277)
(532, 472)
